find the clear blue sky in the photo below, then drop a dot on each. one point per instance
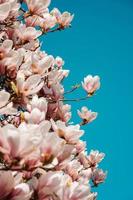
(101, 42)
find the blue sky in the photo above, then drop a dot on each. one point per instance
(101, 42)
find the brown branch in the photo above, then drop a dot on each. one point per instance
(56, 29)
(59, 28)
(65, 100)
(73, 89)
(6, 104)
(76, 100)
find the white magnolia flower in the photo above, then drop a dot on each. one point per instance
(30, 86)
(48, 21)
(98, 176)
(37, 109)
(91, 84)
(9, 9)
(95, 157)
(71, 133)
(87, 115)
(35, 116)
(37, 102)
(12, 190)
(38, 7)
(27, 33)
(5, 48)
(6, 107)
(4, 11)
(41, 65)
(63, 19)
(14, 59)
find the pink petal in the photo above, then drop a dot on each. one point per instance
(4, 11)
(4, 97)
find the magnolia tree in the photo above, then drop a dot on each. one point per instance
(41, 154)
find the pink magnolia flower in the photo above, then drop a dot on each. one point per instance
(55, 12)
(21, 191)
(27, 33)
(5, 48)
(14, 142)
(30, 86)
(15, 6)
(47, 22)
(59, 62)
(50, 149)
(36, 134)
(83, 159)
(75, 190)
(73, 168)
(56, 185)
(6, 184)
(87, 115)
(37, 64)
(31, 45)
(41, 65)
(64, 73)
(91, 84)
(37, 110)
(92, 160)
(65, 155)
(4, 98)
(85, 175)
(33, 20)
(65, 111)
(12, 190)
(63, 19)
(13, 62)
(66, 19)
(9, 9)
(71, 133)
(4, 10)
(47, 185)
(95, 157)
(35, 116)
(6, 107)
(39, 103)
(80, 146)
(38, 7)
(98, 176)
(56, 76)
(19, 143)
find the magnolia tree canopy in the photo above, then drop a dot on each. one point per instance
(41, 154)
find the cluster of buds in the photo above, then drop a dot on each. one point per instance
(42, 155)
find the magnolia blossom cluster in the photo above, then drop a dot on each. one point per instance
(42, 156)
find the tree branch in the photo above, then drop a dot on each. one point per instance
(73, 89)
(76, 100)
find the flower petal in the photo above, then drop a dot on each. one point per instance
(4, 97)
(4, 11)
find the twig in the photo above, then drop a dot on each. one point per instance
(72, 90)
(54, 30)
(76, 100)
